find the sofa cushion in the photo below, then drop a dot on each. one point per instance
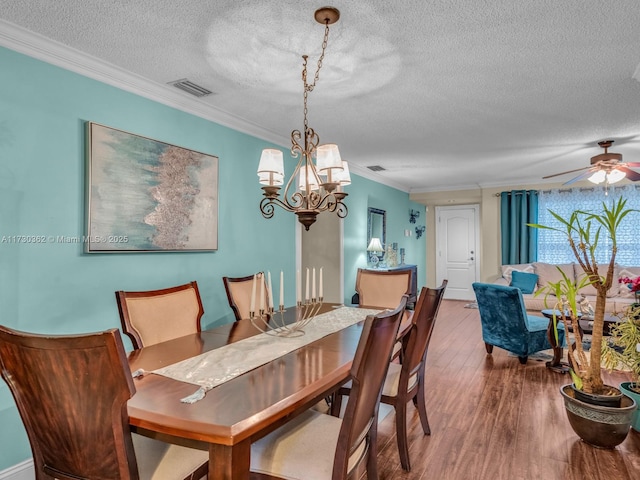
(548, 273)
(629, 272)
(526, 282)
(521, 267)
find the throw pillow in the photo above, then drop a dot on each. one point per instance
(521, 267)
(526, 282)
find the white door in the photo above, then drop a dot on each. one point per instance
(457, 243)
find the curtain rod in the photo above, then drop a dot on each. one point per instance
(567, 190)
(516, 192)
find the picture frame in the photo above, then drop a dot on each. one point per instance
(145, 195)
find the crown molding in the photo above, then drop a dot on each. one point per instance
(55, 53)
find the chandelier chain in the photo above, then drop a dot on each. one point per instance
(308, 87)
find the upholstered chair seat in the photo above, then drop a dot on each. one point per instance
(161, 461)
(305, 448)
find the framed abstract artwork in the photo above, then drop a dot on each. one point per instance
(144, 195)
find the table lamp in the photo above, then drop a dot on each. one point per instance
(375, 247)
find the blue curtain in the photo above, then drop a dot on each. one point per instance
(519, 242)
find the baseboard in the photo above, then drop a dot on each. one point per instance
(21, 471)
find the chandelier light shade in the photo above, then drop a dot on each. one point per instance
(313, 187)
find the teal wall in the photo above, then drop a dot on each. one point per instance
(56, 288)
(364, 193)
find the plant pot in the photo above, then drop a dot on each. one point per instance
(612, 398)
(602, 427)
(635, 419)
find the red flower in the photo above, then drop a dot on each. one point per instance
(633, 284)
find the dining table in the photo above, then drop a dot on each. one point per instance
(241, 410)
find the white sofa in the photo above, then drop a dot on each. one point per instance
(618, 297)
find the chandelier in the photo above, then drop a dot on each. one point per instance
(313, 187)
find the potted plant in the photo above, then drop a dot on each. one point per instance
(584, 230)
(623, 349)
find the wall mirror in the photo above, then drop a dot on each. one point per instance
(376, 226)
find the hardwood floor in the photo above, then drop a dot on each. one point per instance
(494, 419)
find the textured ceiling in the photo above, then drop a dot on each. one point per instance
(442, 94)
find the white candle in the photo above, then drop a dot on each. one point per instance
(281, 288)
(253, 295)
(320, 291)
(298, 287)
(306, 288)
(313, 287)
(262, 291)
(270, 291)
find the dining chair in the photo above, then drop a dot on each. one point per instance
(319, 446)
(405, 381)
(71, 392)
(382, 288)
(239, 291)
(154, 316)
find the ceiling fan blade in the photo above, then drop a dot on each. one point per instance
(582, 176)
(631, 174)
(632, 164)
(564, 173)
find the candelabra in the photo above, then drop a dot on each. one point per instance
(274, 322)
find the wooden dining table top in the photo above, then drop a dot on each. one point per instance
(235, 413)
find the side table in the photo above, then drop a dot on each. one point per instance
(556, 364)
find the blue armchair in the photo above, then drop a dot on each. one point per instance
(506, 324)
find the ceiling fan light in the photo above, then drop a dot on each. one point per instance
(615, 175)
(598, 177)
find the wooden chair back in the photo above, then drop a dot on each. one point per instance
(383, 288)
(357, 438)
(423, 321)
(239, 293)
(72, 392)
(154, 316)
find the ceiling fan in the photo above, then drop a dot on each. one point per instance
(606, 167)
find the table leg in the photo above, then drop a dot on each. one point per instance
(556, 364)
(230, 462)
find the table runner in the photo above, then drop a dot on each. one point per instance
(222, 364)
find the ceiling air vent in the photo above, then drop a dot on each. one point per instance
(190, 87)
(376, 168)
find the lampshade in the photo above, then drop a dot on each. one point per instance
(328, 157)
(271, 167)
(313, 181)
(342, 176)
(598, 177)
(375, 245)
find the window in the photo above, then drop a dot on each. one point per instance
(553, 246)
